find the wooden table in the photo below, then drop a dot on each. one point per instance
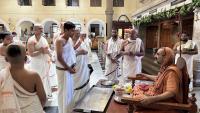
(114, 107)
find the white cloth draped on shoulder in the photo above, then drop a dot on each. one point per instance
(65, 80)
(132, 64)
(8, 98)
(41, 63)
(189, 62)
(14, 97)
(81, 77)
(113, 49)
(87, 42)
(3, 62)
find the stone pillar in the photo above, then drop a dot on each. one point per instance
(196, 39)
(109, 17)
(196, 29)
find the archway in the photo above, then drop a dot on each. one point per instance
(50, 27)
(96, 31)
(78, 23)
(25, 25)
(25, 30)
(96, 27)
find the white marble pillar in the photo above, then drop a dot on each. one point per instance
(109, 17)
(196, 39)
(196, 29)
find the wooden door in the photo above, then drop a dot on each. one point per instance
(151, 37)
(188, 27)
(95, 29)
(165, 36)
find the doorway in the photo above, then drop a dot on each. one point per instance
(94, 28)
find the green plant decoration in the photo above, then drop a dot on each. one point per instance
(183, 10)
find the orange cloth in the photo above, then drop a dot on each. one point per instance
(168, 79)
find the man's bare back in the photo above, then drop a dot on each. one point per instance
(28, 80)
(2, 49)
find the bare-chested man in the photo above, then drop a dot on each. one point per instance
(38, 49)
(66, 59)
(6, 38)
(21, 89)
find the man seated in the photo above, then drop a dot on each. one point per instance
(166, 86)
(21, 90)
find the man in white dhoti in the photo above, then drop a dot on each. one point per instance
(132, 51)
(6, 38)
(88, 43)
(21, 90)
(81, 77)
(188, 49)
(38, 49)
(66, 59)
(113, 47)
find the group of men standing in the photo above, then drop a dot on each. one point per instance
(71, 53)
(72, 67)
(123, 57)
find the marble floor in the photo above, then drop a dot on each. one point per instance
(51, 105)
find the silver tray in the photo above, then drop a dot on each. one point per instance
(107, 83)
(96, 100)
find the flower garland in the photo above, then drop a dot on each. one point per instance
(167, 14)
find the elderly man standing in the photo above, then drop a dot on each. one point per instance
(132, 51)
(81, 77)
(87, 42)
(113, 46)
(38, 49)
